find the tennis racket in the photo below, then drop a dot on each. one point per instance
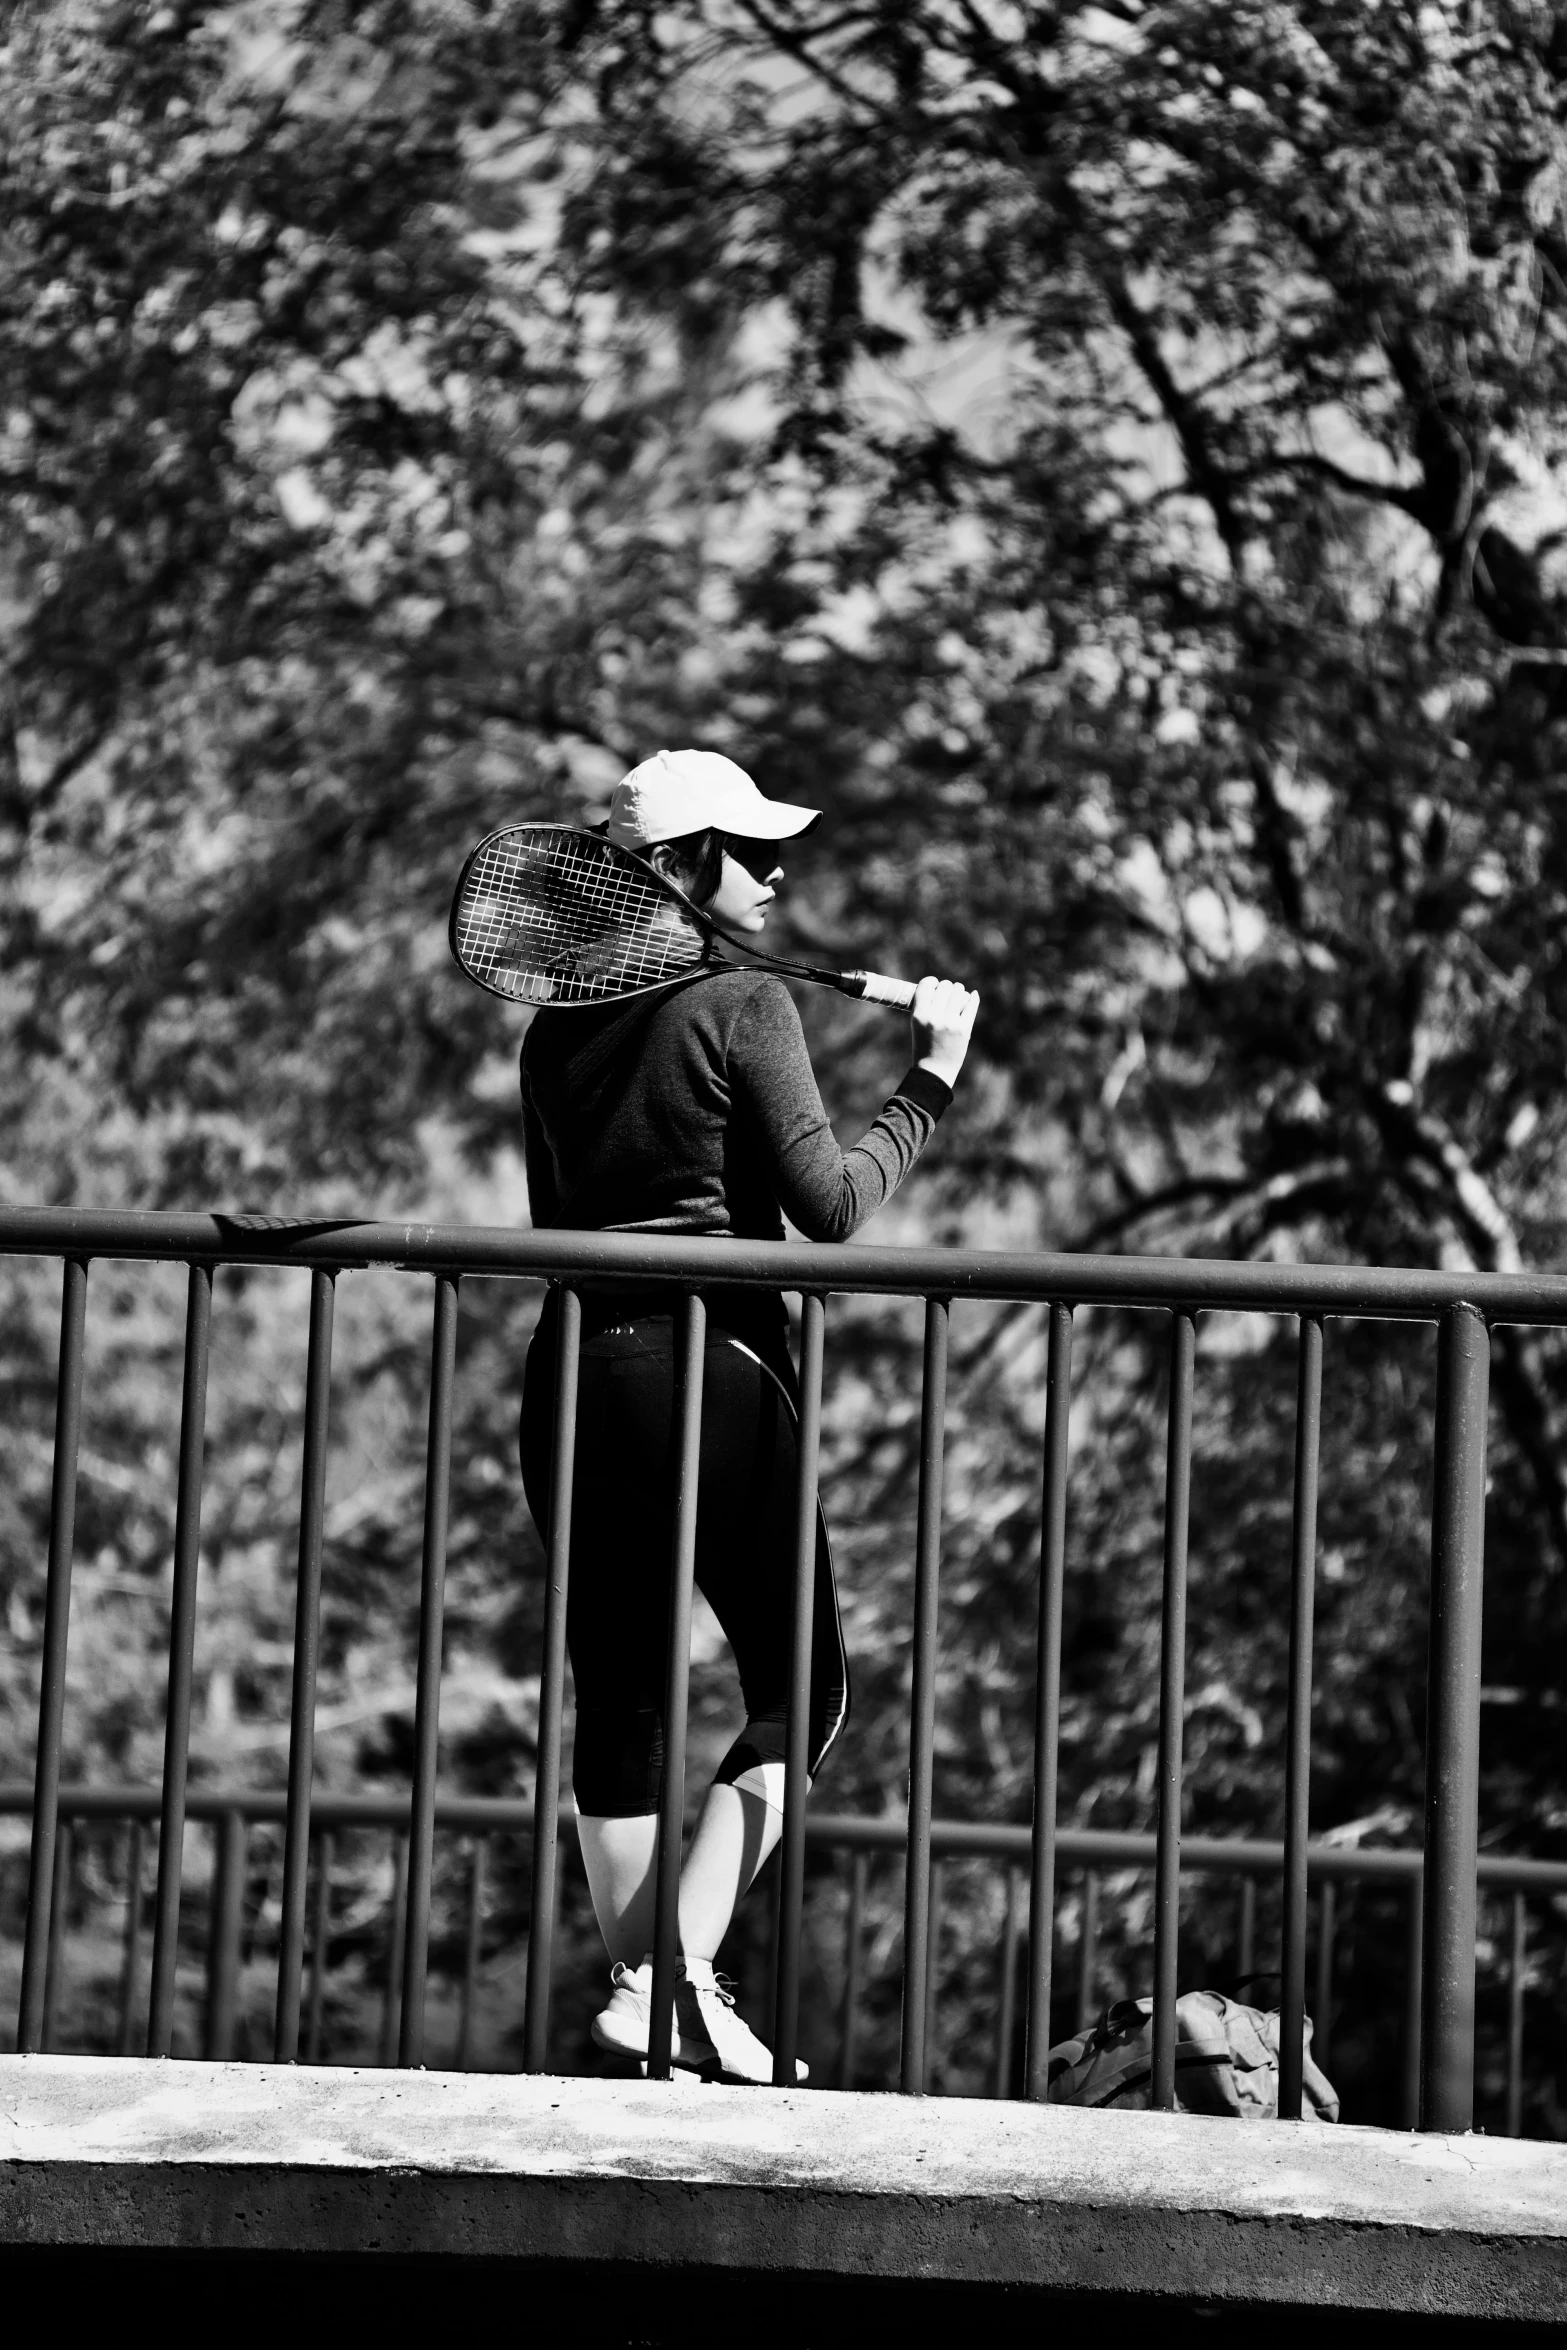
(545, 914)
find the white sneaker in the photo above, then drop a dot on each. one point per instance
(623, 2026)
(705, 2007)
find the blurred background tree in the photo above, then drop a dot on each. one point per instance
(1109, 458)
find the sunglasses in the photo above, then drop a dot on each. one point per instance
(759, 857)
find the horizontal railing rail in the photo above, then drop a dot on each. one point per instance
(834, 1831)
(1212, 1284)
(1463, 1306)
(1247, 1863)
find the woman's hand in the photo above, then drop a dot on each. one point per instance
(943, 1022)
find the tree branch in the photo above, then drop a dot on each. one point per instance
(1478, 1209)
(64, 771)
(1207, 475)
(798, 46)
(1353, 486)
(1152, 1203)
(1274, 827)
(1520, 1381)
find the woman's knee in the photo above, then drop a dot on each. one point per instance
(617, 1760)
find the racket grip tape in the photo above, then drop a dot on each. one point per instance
(875, 988)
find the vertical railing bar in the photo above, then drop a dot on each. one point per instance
(938, 1886)
(320, 1937)
(1297, 1736)
(1172, 1690)
(57, 1624)
(227, 1919)
(563, 1857)
(922, 1698)
(182, 1657)
(1322, 2003)
(849, 2014)
(392, 1999)
(307, 1652)
(1517, 1955)
(59, 1903)
(472, 1946)
(130, 1947)
(1087, 1949)
(1006, 2001)
(427, 1701)
(773, 1876)
(791, 1857)
(689, 1364)
(1246, 1929)
(552, 1685)
(1452, 1807)
(1047, 1699)
(1414, 1974)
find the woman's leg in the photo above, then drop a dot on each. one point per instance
(618, 1626)
(736, 1832)
(617, 1606)
(746, 1568)
(617, 1618)
(619, 1856)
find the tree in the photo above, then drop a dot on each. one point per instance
(1147, 640)
(1198, 694)
(1108, 457)
(330, 528)
(332, 535)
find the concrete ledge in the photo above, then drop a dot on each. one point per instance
(164, 2158)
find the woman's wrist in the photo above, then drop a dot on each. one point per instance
(942, 1019)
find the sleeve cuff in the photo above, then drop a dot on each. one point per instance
(925, 1090)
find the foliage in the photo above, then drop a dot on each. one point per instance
(1196, 688)
(1109, 458)
(318, 555)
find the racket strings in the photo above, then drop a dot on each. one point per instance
(547, 918)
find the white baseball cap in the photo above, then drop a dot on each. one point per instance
(676, 792)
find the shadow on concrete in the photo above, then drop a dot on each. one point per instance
(598, 2306)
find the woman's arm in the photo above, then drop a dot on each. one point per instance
(543, 1190)
(825, 1192)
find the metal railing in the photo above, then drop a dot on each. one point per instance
(1461, 1305)
(1247, 1866)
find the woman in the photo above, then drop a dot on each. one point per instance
(693, 1109)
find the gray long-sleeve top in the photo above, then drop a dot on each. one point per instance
(696, 1111)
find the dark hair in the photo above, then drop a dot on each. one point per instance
(694, 863)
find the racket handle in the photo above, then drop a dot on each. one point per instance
(877, 989)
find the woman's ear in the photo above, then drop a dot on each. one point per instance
(694, 863)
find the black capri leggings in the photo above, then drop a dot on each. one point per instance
(622, 1525)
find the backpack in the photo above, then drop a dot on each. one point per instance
(1226, 2061)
